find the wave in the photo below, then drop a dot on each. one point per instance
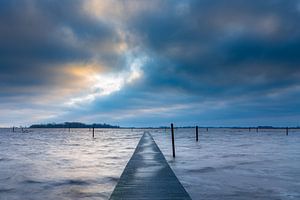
(6, 190)
(237, 155)
(71, 182)
(202, 170)
(5, 159)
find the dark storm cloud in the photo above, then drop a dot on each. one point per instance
(38, 37)
(206, 60)
(219, 46)
(245, 53)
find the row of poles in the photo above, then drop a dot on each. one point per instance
(93, 131)
(173, 138)
(286, 130)
(15, 128)
(172, 131)
(93, 135)
(197, 136)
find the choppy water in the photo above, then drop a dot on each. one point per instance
(56, 164)
(235, 163)
(224, 164)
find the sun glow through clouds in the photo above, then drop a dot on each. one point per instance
(104, 84)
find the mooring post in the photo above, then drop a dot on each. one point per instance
(249, 129)
(173, 143)
(93, 132)
(287, 131)
(207, 129)
(256, 129)
(197, 133)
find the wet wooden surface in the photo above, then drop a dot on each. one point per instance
(148, 175)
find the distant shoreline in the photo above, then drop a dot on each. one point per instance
(73, 125)
(78, 125)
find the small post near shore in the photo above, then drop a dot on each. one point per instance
(13, 129)
(197, 134)
(93, 132)
(207, 129)
(173, 142)
(287, 131)
(249, 129)
(256, 129)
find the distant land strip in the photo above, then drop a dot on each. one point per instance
(72, 125)
(104, 125)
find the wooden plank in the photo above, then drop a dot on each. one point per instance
(147, 175)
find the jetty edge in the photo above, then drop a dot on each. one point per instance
(148, 175)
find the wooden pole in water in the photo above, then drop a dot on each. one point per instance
(249, 129)
(256, 129)
(287, 131)
(93, 132)
(197, 133)
(207, 129)
(173, 143)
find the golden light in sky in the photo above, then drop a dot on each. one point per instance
(97, 82)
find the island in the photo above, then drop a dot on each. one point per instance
(73, 125)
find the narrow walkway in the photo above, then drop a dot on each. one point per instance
(148, 176)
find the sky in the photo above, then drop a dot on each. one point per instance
(150, 63)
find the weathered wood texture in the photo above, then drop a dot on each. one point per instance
(148, 176)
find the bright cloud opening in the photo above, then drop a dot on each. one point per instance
(103, 84)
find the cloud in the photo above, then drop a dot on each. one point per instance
(217, 49)
(40, 38)
(202, 59)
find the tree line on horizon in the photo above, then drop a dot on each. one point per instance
(73, 125)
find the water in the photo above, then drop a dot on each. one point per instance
(56, 164)
(224, 164)
(235, 163)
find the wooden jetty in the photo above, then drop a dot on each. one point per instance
(147, 175)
